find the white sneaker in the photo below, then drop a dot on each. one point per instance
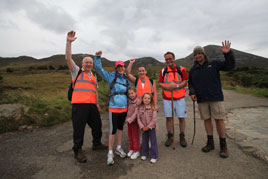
(143, 157)
(135, 155)
(110, 160)
(130, 153)
(120, 152)
(153, 160)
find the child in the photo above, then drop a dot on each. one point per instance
(147, 123)
(133, 128)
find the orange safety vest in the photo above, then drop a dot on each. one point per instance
(148, 87)
(173, 76)
(85, 89)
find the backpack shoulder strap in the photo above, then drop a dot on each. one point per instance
(179, 70)
(113, 82)
(79, 72)
(152, 81)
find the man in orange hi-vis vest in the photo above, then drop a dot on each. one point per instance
(172, 80)
(85, 108)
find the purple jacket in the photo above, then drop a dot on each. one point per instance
(146, 117)
(132, 110)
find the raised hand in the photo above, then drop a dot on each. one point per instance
(71, 36)
(132, 60)
(98, 53)
(225, 46)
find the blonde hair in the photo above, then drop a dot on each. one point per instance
(152, 103)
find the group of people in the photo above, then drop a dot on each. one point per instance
(137, 106)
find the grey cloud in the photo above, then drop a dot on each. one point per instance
(52, 18)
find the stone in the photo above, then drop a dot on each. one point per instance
(13, 112)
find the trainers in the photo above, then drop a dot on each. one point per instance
(224, 151)
(99, 146)
(153, 160)
(169, 140)
(210, 146)
(110, 160)
(143, 157)
(80, 157)
(135, 155)
(182, 140)
(120, 152)
(130, 153)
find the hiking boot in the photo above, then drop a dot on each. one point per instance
(120, 152)
(209, 146)
(169, 140)
(80, 157)
(182, 140)
(110, 159)
(99, 146)
(224, 151)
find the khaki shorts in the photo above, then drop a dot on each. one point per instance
(211, 110)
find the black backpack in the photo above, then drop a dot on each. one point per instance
(178, 70)
(70, 90)
(136, 81)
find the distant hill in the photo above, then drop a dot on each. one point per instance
(243, 59)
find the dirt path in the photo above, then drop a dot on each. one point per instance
(46, 153)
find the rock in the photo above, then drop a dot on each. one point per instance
(13, 112)
(21, 128)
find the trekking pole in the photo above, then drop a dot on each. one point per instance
(172, 106)
(194, 121)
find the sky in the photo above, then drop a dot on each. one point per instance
(125, 29)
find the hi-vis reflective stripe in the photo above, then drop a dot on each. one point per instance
(178, 82)
(81, 80)
(84, 90)
(85, 81)
(178, 75)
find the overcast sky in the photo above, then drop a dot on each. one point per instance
(125, 29)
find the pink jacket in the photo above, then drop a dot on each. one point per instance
(132, 110)
(146, 117)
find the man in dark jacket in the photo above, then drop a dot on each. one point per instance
(205, 87)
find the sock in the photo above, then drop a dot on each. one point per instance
(118, 147)
(110, 152)
(222, 140)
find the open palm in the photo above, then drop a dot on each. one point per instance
(71, 36)
(226, 46)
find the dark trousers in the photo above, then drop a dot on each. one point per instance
(82, 114)
(147, 136)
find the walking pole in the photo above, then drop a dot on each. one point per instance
(172, 106)
(194, 121)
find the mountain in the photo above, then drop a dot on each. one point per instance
(243, 59)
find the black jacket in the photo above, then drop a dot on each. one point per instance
(204, 81)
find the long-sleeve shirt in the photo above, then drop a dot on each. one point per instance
(146, 117)
(204, 80)
(132, 110)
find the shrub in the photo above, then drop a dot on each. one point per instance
(42, 67)
(10, 70)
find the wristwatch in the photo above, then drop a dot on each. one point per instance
(178, 86)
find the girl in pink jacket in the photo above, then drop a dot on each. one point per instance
(133, 128)
(147, 122)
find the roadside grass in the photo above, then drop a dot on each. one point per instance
(46, 96)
